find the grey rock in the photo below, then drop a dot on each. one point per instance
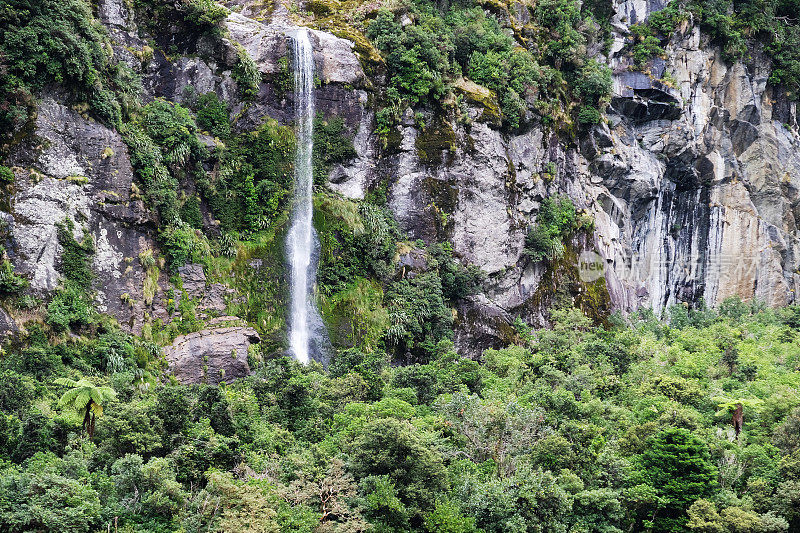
(7, 324)
(481, 325)
(77, 169)
(267, 43)
(194, 280)
(211, 355)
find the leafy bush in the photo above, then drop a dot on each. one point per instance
(418, 315)
(75, 256)
(165, 148)
(444, 42)
(54, 41)
(202, 13)
(190, 212)
(6, 175)
(10, 282)
(212, 115)
(193, 18)
(357, 242)
(332, 145)
(589, 115)
(70, 308)
(246, 74)
(253, 185)
(393, 448)
(416, 55)
(182, 244)
(594, 82)
(555, 222)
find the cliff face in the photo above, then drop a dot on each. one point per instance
(692, 183)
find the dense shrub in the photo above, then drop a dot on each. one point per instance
(246, 74)
(52, 41)
(555, 222)
(252, 188)
(10, 282)
(589, 115)
(332, 145)
(443, 42)
(75, 256)
(70, 308)
(6, 175)
(212, 115)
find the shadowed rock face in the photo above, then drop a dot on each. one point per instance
(74, 168)
(211, 355)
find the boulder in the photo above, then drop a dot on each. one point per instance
(212, 355)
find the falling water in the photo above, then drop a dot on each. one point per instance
(307, 335)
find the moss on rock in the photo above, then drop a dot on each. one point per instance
(437, 144)
(482, 98)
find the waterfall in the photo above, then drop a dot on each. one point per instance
(307, 335)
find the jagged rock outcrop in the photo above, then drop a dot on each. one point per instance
(209, 297)
(212, 355)
(74, 168)
(693, 185)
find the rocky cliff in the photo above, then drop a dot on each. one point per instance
(692, 180)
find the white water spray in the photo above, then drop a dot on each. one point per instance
(307, 335)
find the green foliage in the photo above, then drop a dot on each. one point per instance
(193, 18)
(332, 145)
(49, 494)
(246, 74)
(576, 429)
(458, 281)
(202, 13)
(284, 79)
(190, 212)
(10, 282)
(555, 222)
(393, 448)
(212, 115)
(418, 315)
(165, 148)
(678, 465)
(70, 308)
(50, 41)
(589, 115)
(358, 241)
(183, 244)
(76, 256)
(413, 57)
(738, 27)
(446, 517)
(6, 175)
(251, 190)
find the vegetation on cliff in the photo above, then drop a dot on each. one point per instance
(744, 29)
(685, 422)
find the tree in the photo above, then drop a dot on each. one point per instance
(329, 496)
(678, 465)
(87, 398)
(393, 448)
(704, 518)
(500, 430)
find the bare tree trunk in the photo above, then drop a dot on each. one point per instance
(738, 419)
(87, 419)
